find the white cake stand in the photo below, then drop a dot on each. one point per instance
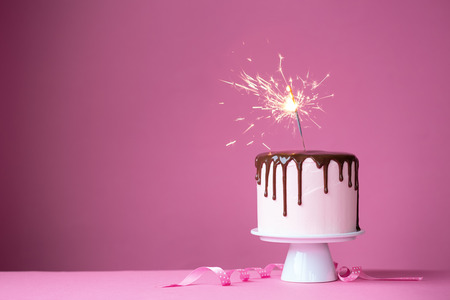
(309, 258)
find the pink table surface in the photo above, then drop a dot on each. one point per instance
(146, 285)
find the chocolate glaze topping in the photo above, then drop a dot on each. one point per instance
(322, 160)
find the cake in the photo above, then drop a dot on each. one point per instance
(307, 193)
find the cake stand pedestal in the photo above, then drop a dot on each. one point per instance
(309, 258)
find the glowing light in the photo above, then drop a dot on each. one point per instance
(230, 143)
(290, 104)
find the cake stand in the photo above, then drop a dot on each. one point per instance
(309, 258)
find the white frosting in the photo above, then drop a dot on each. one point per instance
(319, 213)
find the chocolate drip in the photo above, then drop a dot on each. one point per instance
(274, 177)
(341, 176)
(322, 160)
(324, 166)
(350, 173)
(299, 175)
(267, 163)
(284, 168)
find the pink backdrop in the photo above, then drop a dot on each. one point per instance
(113, 142)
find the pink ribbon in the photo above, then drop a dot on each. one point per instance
(344, 274)
(225, 277)
(347, 275)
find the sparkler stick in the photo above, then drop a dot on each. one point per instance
(288, 88)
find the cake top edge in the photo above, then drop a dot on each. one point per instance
(308, 153)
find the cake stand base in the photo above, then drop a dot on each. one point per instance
(309, 258)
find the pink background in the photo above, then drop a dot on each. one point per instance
(113, 142)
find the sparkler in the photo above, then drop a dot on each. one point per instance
(282, 98)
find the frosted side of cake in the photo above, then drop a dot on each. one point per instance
(313, 192)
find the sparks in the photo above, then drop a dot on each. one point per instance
(266, 146)
(230, 143)
(249, 127)
(287, 99)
